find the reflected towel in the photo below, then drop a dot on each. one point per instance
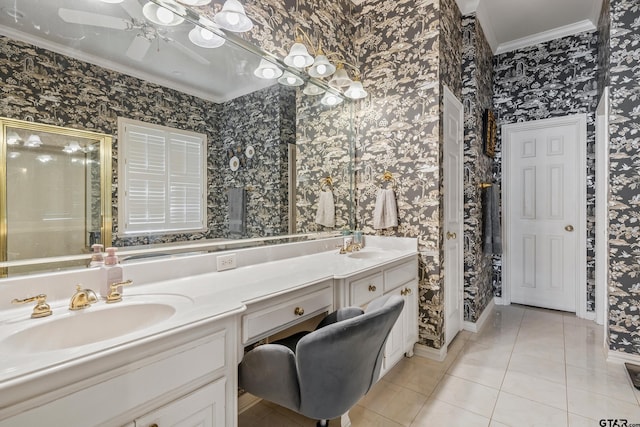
(237, 210)
(385, 214)
(492, 240)
(326, 213)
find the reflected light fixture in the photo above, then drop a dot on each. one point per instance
(193, 2)
(13, 138)
(340, 79)
(13, 155)
(329, 99)
(321, 66)
(355, 90)
(267, 70)
(44, 158)
(206, 38)
(311, 89)
(33, 141)
(161, 15)
(290, 79)
(72, 147)
(298, 55)
(233, 18)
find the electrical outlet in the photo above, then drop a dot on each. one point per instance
(226, 262)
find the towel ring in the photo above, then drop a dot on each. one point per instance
(326, 182)
(485, 185)
(388, 177)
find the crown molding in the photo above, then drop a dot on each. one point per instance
(485, 22)
(545, 36)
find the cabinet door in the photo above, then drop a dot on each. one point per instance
(204, 407)
(405, 332)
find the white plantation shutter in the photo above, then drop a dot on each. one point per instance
(164, 179)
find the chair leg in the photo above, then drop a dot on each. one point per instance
(322, 423)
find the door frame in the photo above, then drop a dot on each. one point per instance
(580, 121)
(602, 210)
(449, 96)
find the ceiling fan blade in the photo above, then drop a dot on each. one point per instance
(94, 19)
(133, 9)
(138, 48)
(182, 48)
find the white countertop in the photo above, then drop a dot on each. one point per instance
(206, 297)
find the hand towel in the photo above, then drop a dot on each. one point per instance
(492, 240)
(237, 218)
(385, 214)
(326, 213)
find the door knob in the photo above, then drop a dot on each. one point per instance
(569, 227)
(451, 235)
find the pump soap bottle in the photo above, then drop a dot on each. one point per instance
(112, 272)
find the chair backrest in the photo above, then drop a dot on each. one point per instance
(338, 364)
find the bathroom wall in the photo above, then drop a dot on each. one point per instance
(551, 79)
(477, 94)
(620, 47)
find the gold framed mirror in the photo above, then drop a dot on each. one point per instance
(55, 194)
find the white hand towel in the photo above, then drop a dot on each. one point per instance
(385, 214)
(326, 214)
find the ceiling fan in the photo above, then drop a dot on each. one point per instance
(146, 31)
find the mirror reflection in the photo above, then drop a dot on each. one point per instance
(274, 142)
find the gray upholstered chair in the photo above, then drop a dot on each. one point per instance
(322, 374)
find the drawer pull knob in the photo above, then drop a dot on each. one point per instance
(299, 311)
(372, 288)
(405, 291)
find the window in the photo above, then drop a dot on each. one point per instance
(162, 179)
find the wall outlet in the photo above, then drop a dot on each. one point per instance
(226, 262)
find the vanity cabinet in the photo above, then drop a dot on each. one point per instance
(397, 278)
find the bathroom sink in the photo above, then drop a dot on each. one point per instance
(97, 323)
(366, 254)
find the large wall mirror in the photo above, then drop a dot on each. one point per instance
(82, 65)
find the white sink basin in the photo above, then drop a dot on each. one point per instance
(365, 254)
(97, 323)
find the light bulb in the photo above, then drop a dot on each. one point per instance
(321, 69)
(164, 15)
(299, 61)
(233, 18)
(268, 73)
(206, 34)
(291, 80)
(331, 100)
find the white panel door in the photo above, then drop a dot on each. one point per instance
(544, 202)
(453, 211)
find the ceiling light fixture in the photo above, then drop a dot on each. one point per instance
(161, 15)
(267, 70)
(321, 66)
(355, 90)
(340, 79)
(232, 17)
(290, 79)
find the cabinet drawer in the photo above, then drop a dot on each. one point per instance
(400, 275)
(277, 317)
(366, 289)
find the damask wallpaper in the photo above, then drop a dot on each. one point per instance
(620, 21)
(477, 92)
(552, 79)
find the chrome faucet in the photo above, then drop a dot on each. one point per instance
(82, 299)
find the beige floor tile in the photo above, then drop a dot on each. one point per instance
(536, 389)
(483, 370)
(438, 413)
(417, 374)
(517, 411)
(543, 349)
(580, 421)
(498, 424)
(601, 382)
(466, 394)
(537, 367)
(597, 406)
(396, 403)
(363, 417)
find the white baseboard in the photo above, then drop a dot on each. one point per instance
(590, 315)
(499, 301)
(477, 326)
(621, 357)
(430, 353)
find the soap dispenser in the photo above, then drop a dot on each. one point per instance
(112, 272)
(97, 260)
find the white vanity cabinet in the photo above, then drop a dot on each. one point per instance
(396, 278)
(187, 379)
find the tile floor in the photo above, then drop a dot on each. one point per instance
(526, 367)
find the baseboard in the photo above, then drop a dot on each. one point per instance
(620, 357)
(499, 301)
(477, 326)
(430, 353)
(590, 315)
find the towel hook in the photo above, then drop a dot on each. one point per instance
(327, 181)
(388, 177)
(485, 185)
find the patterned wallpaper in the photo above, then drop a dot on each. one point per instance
(477, 92)
(552, 79)
(620, 20)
